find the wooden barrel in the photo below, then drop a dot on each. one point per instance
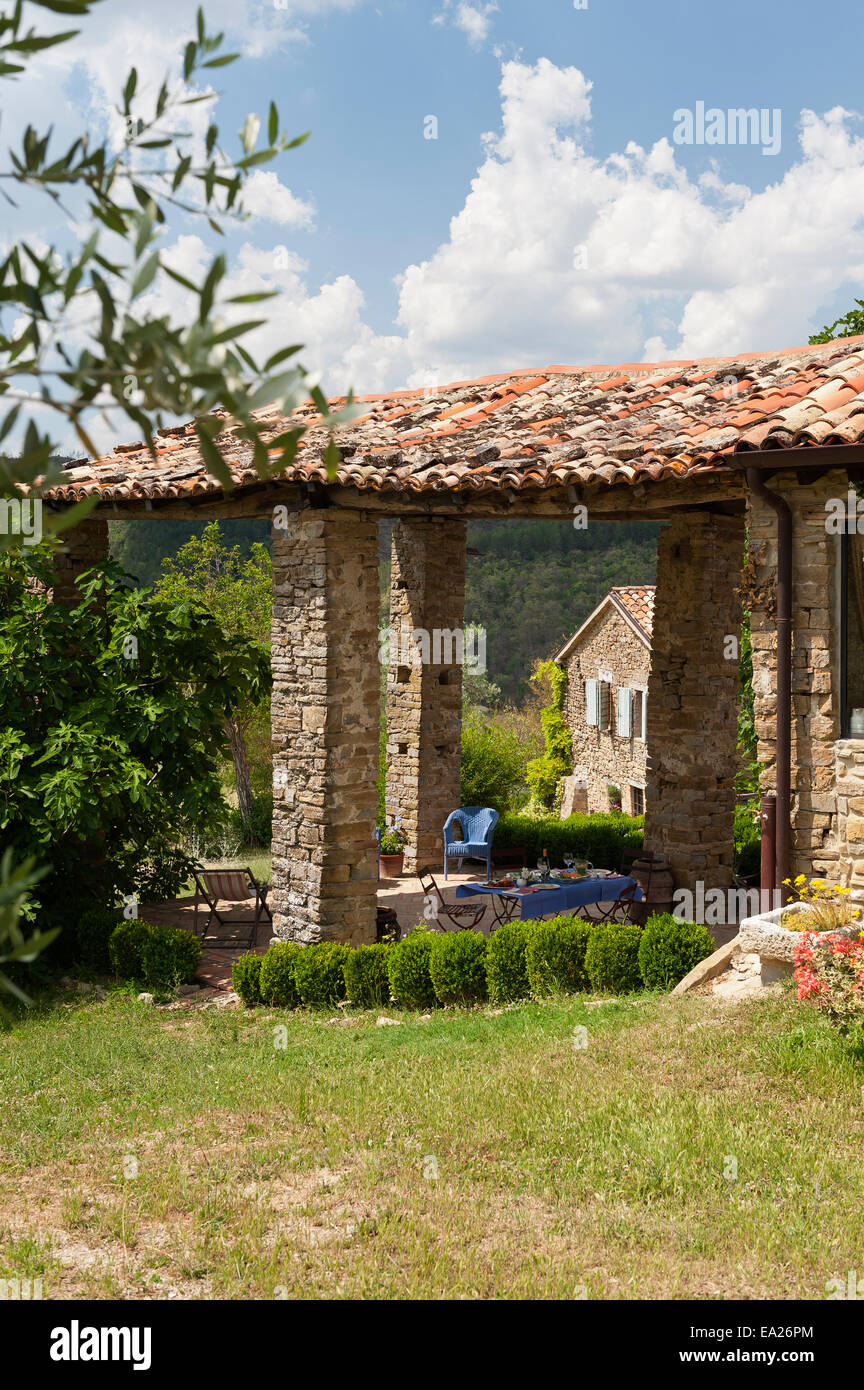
(662, 886)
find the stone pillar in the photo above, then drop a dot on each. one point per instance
(424, 682)
(79, 550)
(693, 698)
(824, 772)
(325, 726)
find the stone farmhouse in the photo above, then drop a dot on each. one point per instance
(759, 450)
(607, 661)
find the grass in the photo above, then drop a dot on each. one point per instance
(258, 860)
(481, 1154)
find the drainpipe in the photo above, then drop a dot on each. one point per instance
(781, 507)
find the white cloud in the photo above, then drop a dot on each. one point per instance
(264, 196)
(475, 21)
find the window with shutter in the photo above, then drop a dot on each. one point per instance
(625, 712)
(638, 720)
(605, 704)
(591, 703)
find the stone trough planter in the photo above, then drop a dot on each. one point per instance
(775, 945)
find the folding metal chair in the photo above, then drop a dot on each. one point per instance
(463, 916)
(230, 885)
(632, 909)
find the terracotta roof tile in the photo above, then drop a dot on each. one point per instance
(638, 599)
(603, 424)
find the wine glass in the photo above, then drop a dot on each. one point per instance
(569, 861)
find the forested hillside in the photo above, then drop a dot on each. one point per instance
(530, 584)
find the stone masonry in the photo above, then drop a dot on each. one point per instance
(827, 775)
(325, 726)
(424, 697)
(600, 756)
(693, 698)
(80, 548)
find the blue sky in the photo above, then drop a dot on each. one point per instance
(554, 218)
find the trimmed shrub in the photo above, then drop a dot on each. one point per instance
(246, 978)
(93, 930)
(669, 949)
(126, 949)
(276, 983)
(170, 956)
(366, 981)
(457, 966)
(612, 957)
(600, 838)
(555, 956)
(506, 967)
(408, 970)
(319, 974)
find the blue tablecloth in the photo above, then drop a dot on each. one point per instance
(564, 899)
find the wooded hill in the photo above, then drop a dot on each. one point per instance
(530, 583)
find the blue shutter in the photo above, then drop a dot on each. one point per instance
(592, 702)
(625, 712)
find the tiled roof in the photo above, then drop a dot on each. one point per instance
(634, 602)
(528, 430)
(638, 599)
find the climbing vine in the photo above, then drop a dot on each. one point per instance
(544, 773)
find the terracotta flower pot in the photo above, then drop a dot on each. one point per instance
(391, 865)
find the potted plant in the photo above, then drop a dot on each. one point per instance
(821, 909)
(392, 856)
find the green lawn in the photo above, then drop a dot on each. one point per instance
(309, 1171)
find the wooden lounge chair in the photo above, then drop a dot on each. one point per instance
(462, 916)
(230, 885)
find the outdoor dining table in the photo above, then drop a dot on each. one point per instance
(539, 901)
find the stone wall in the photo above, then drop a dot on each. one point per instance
(325, 726)
(820, 765)
(600, 757)
(693, 698)
(80, 548)
(424, 697)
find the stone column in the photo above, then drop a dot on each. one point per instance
(824, 772)
(79, 550)
(424, 681)
(693, 698)
(325, 726)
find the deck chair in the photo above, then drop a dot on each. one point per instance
(462, 916)
(229, 885)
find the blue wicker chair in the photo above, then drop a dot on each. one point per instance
(477, 824)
